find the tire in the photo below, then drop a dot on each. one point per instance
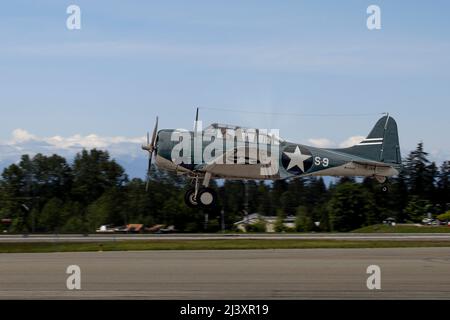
(189, 199)
(207, 198)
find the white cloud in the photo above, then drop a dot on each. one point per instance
(351, 141)
(321, 142)
(90, 141)
(327, 143)
(20, 136)
(23, 141)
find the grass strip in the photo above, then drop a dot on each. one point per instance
(382, 228)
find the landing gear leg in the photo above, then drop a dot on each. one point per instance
(201, 195)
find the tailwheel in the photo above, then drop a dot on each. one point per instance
(385, 186)
(384, 183)
(190, 200)
(207, 197)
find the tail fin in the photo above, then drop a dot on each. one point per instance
(382, 143)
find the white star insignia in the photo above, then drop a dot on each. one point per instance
(297, 159)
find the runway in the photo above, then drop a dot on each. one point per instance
(215, 236)
(413, 273)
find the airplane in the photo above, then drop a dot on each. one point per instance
(377, 156)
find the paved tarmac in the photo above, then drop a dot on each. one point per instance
(406, 273)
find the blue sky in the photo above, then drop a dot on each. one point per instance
(133, 60)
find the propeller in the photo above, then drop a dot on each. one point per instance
(150, 147)
(196, 121)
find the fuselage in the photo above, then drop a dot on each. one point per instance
(249, 159)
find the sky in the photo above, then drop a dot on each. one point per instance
(103, 85)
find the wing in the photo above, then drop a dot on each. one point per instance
(239, 163)
(373, 163)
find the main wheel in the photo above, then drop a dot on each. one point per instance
(190, 200)
(207, 197)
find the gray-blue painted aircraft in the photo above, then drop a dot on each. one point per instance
(376, 156)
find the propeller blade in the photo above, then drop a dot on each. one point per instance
(151, 147)
(196, 121)
(155, 132)
(147, 185)
(148, 172)
(147, 146)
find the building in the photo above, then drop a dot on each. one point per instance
(270, 222)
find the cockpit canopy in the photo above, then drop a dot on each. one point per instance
(229, 131)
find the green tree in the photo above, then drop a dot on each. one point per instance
(443, 185)
(279, 223)
(444, 216)
(303, 221)
(97, 213)
(350, 207)
(288, 203)
(75, 225)
(316, 192)
(108, 209)
(94, 190)
(94, 173)
(13, 182)
(264, 199)
(420, 173)
(39, 177)
(52, 217)
(278, 188)
(417, 208)
(52, 176)
(398, 198)
(233, 196)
